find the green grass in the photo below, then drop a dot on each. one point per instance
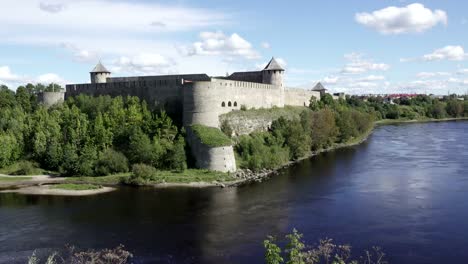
(7, 179)
(102, 180)
(188, 176)
(191, 175)
(76, 187)
(211, 136)
(23, 168)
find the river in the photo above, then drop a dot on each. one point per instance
(405, 189)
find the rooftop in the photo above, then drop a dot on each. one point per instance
(273, 65)
(100, 68)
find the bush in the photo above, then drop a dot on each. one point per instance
(111, 162)
(141, 174)
(243, 108)
(26, 168)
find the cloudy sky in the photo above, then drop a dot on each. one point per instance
(354, 46)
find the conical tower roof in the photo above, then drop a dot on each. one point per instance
(273, 65)
(100, 68)
(318, 87)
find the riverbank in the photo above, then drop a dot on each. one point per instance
(247, 176)
(51, 190)
(35, 184)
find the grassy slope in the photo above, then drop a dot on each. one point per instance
(188, 176)
(7, 179)
(288, 112)
(211, 136)
(15, 167)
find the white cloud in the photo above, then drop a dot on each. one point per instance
(426, 75)
(396, 20)
(462, 71)
(103, 16)
(147, 63)
(451, 52)
(81, 55)
(51, 7)
(454, 53)
(50, 78)
(266, 45)
(217, 43)
(358, 65)
(6, 75)
(372, 78)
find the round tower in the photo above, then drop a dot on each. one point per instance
(99, 74)
(273, 73)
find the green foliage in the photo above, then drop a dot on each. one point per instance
(74, 138)
(272, 251)
(226, 128)
(294, 248)
(141, 174)
(296, 252)
(9, 150)
(26, 167)
(211, 136)
(111, 162)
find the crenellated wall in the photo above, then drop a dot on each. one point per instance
(299, 97)
(205, 101)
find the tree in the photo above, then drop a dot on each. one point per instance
(9, 150)
(327, 100)
(176, 157)
(140, 147)
(314, 104)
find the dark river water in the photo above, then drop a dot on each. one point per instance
(405, 190)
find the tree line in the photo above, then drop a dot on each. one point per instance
(328, 122)
(87, 135)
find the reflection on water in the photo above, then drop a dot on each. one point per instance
(405, 189)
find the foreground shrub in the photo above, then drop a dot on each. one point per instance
(141, 174)
(71, 255)
(110, 162)
(296, 252)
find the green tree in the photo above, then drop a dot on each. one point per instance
(272, 251)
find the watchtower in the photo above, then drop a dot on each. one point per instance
(273, 73)
(99, 74)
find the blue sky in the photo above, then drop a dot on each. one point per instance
(353, 46)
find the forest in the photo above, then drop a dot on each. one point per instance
(98, 136)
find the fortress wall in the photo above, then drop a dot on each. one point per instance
(299, 97)
(51, 98)
(167, 94)
(217, 159)
(161, 79)
(205, 101)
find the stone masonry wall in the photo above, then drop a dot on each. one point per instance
(299, 97)
(51, 98)
(211, 158)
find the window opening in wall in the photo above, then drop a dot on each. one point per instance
(229, 104)
(223, 104)
(235, 104)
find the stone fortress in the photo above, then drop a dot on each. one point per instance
(202, 99)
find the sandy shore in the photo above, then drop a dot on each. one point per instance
(48, 190)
